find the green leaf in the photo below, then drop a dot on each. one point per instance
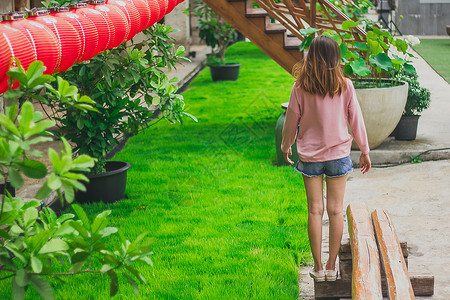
(53, 182)
(306, 43)
(382, 61)
(106, 268)
(359, 67)
(114, 286)
(30, 215)
(100, 221)
(136, 274)
(83, 161)
(308, 31)
(77, 267)
(42, 286)
(16, 178)
(54, 245)
(409, 69)
(22, 278)
(13, 94)
(32, 168)
(40, 128)
(36, 264)
(346, 25)
(344, 49)
(69, 193)
(35, 69)
(80, 257)
(107, 231)
(17, 291)
(9, 125)
(360, 46)
(132, 283)
(82, 215)
(41, 80)
(26, 117)
(37, 241)
(43, 192)
(156, 100)
(81, 229)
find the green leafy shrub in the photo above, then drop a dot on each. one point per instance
(418, 97)
(36, 244)
(215, 31)
(131, 92)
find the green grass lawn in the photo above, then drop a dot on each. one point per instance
(436, 52)
(226, 223)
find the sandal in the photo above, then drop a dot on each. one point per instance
(318, 276)
(331, 275)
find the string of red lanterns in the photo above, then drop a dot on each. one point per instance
(62, 36)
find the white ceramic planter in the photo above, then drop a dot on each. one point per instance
(382, 109)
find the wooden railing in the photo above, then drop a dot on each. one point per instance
(300, 14)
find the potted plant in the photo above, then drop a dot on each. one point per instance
(373, 63)
(418, 100)
(132, 93)
(218, 34)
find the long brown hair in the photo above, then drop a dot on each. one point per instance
(320, 72)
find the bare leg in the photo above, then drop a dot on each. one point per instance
(335, 203)
(314, 195)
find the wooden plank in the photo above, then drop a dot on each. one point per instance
(393, 262)
(423, 285)
(345, 252)
(366, 273)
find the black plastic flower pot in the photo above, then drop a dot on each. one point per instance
(406, 129)
(107, 187)
(225, 72)
(9, 188)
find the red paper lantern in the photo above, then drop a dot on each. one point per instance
(171, 5)
(86, 31)
(144, 12)
(67, 36)
(154, 9)
(5, 55)
(163, 5)
(132, 14)
(43, 40)
(103, 24)
(18, 46)
(118, 18)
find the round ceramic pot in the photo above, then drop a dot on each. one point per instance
(106, 187)
(279, 139)
(382, 109)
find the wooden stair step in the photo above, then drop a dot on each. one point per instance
(256, 13)
(275, 28)
(291, 43)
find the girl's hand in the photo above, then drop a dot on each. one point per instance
(286, 156)
(364, 163)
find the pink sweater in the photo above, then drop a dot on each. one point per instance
(323, 133)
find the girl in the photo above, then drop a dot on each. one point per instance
(321, 105)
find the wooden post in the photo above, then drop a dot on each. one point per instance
(366, 275)
(397, 277)
(312, 7)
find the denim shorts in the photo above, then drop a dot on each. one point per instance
(332, 168)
